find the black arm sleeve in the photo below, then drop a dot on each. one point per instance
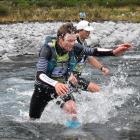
(79, 49)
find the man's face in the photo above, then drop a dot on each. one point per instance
(68, 41)
(84, 34)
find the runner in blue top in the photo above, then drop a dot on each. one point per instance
(56, 65)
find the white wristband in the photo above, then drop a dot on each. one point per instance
(47, 79)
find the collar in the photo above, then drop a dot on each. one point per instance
(80, 40)
(60, 51)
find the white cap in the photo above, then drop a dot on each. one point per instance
(84, 25)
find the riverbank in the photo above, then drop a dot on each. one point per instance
(26, 39)
(98, 13)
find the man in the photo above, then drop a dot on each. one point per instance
(54, 67)
(83, 32)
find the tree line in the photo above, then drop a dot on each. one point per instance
(49, 10)
(71, 3)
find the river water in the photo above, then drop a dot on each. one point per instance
(111, 114)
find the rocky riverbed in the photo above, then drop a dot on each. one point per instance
(26, 38)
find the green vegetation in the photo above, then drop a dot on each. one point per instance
(68, 10)
(73, 3)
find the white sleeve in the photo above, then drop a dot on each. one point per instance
(103, 49)
(47, 79)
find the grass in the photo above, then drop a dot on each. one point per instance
(98, 13)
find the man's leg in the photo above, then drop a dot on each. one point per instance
(39, 100)
(67, 103)
(70, 107)
(86, 85)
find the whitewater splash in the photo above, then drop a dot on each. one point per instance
(94, 107)
(91, 107)
(115, 108)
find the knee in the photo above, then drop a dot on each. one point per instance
(70, 107)
(92, 87)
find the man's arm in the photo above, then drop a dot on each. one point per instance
(94, 62)
(42, 65)
(101, 51)
(121, 49)
(80, 49)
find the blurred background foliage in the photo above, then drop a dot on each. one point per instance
(36, 10)
(71, 3)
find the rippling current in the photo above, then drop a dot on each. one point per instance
(112, 114)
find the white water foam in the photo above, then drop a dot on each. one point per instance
(91, 107)
(131, 56)
(94, 107)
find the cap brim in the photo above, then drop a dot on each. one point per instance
(88, 28)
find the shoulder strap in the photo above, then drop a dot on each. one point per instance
(50, 41)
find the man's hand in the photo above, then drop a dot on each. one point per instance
(92, 87)
(105, 70)
(61, 89)
(121, 49)
(73, 79)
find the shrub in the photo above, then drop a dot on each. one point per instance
(4, 10)
(21, 3)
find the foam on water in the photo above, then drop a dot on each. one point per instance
(131, 56)
(117, 101)
(77, 133)
(91, 107)
(94, 107)
(14, 80)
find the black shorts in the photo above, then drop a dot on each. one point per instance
(83, 83)
(40, 98)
